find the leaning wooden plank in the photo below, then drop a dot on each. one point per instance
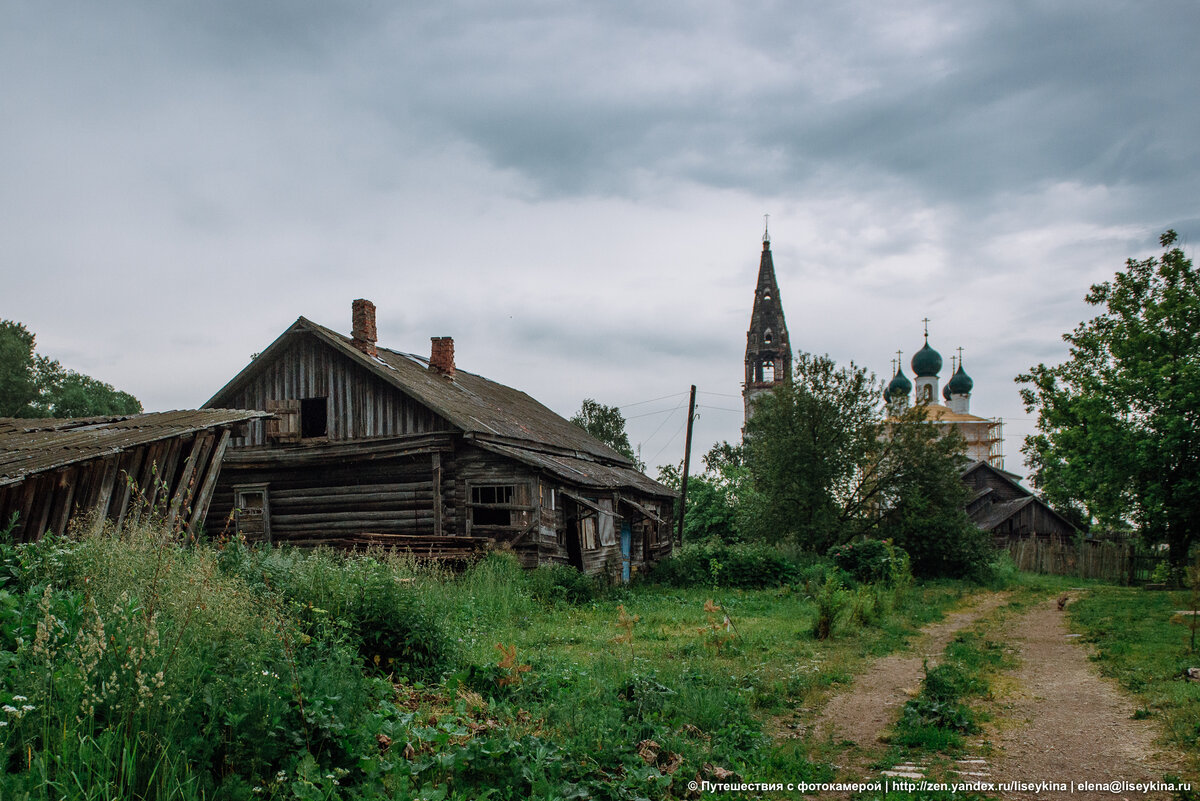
(109, 479)
(213, 469)
(187, 479)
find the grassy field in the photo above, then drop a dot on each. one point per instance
(1137, 643)
(134, 668)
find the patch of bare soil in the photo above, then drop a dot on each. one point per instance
(863, 712)
(1058, 721)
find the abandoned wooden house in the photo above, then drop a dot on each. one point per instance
(56, 472)
(1002, 507)
(372, 446)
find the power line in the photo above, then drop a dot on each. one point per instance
(648, 414)
(672, 439)
(652, 400)
(722, 394)
(721, 408)
(664, 422)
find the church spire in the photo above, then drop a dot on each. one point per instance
(768, 353)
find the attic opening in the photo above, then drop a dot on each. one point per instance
(768, 337)
(314, 417)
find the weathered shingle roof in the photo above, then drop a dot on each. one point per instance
(34, 445)
(584, 472)
(480, 408)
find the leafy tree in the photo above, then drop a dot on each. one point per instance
(17, 388)
(811, 447)
(36, 386)
(826, 466)
(607, 424)
(925, 500)
(78, 395)
(1118, 431)
(714, 512)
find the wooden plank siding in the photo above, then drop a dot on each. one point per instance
(360, 404)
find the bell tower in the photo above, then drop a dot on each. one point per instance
(768, 353)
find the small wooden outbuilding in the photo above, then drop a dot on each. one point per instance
(54, 471)
(1008, 511)
(374, 446)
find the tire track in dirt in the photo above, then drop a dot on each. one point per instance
(1059, 721)
(864, 711)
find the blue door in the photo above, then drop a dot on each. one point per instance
(626, 544)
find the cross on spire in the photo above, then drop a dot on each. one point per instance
(926, 321)
(960, 357)
(766, 229)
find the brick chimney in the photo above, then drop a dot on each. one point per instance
(441, 356)
(362, 326)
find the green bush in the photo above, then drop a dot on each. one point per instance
(141, 670)
(719, 565)
(550, 584)
(831, 599)
(394, 628)
(871, 561)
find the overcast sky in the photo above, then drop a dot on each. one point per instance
(574, 191)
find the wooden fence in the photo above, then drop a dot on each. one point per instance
(1111, 561)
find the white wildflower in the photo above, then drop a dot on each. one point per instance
(10, 709)
(20, 698)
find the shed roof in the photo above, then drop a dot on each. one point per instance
(29, 446)
(583, 472)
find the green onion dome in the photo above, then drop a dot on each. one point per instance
(899, 387)
(927, 362)
(960, 383)
(946, 392)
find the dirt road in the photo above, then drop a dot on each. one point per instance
(1055, 719)
(1059, 721)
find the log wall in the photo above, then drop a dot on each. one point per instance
(319, 496)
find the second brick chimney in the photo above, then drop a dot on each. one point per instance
(362, 326)
(441, 355)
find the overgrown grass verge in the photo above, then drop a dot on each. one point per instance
(135, 668)
(942, 713)
(1137, 644)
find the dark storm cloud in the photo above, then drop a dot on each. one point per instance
(1006, 97)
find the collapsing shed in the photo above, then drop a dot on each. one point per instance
(372, 446)
(55, 471)
(1002, 507)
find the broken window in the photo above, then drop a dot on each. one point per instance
(314, 417)
(505, 505)
(768, 372)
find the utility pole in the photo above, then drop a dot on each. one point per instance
(687, 459)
